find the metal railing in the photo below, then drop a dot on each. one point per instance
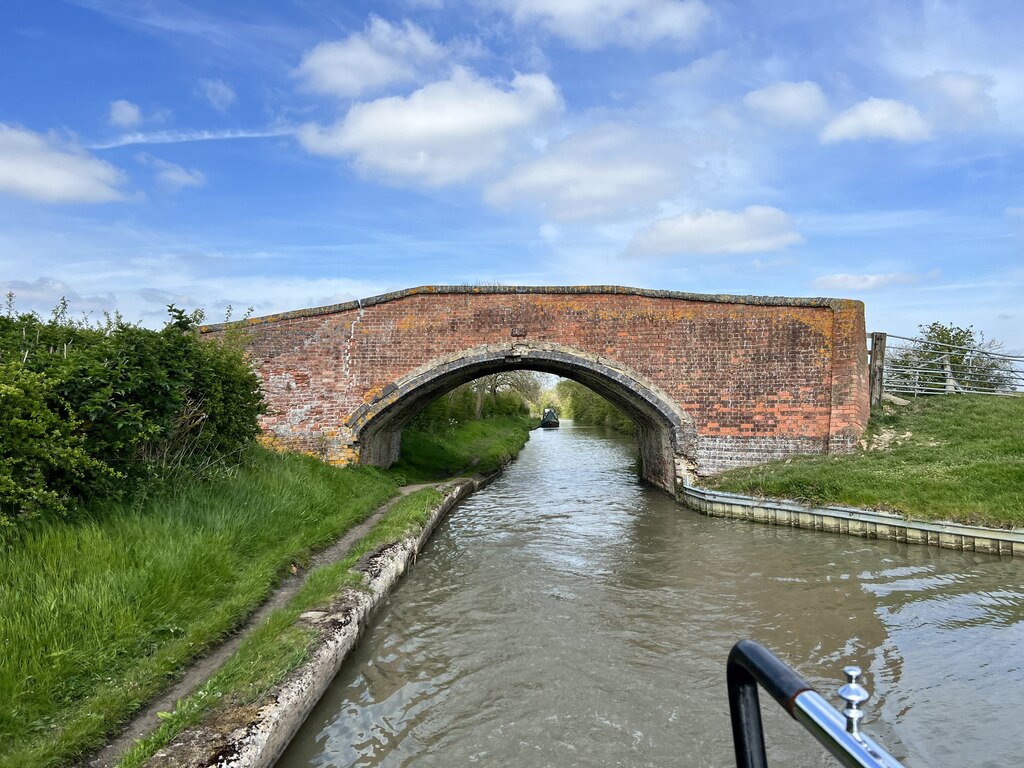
(751, 664)
(907, 366)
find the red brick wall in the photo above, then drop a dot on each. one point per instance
(756, 378)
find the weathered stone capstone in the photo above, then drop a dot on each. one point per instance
(712, 382)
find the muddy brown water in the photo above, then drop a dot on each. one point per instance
(567, 615)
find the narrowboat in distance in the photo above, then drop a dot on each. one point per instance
(549, 420)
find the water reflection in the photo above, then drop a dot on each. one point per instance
(569, 616)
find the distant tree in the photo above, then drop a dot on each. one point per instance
(948, 357)
(522, 383)
(585, 406)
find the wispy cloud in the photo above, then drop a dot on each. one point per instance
(125, 114)
(847, 282)
(757, 228)
(591, 24)
(788, 103)
(220, 95)
(179, 137)
(171, 176)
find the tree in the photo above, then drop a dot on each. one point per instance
(585, 406)
(949, 358)
(523, 383)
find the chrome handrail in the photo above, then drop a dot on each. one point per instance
(751, 664)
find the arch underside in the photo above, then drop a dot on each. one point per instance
(665, 435)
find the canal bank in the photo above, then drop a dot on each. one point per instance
(863, 523)
(260, 647)
(253, 735)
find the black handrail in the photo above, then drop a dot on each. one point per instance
(751, 664)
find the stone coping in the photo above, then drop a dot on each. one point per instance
(556, 290)
(865, 523)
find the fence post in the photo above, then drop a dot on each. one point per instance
(876, 367)
(951, 385)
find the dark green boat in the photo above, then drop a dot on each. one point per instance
(549, 420)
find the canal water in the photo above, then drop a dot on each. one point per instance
(567, 615)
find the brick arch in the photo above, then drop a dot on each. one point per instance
(666, 434)
(723, 381)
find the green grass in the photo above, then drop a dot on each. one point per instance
(102, 613)
(99, 616)
(278, 646)
(469, 448)
(963, 461)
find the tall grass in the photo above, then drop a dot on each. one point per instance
(98, 614)
(278, 646)
(463, 448)
(957, 457)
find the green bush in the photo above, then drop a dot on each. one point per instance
(42, 454)
(104, 409)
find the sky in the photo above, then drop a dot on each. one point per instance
(294, 153)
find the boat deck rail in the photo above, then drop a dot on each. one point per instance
(751, 664)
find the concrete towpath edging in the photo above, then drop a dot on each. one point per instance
(264, 737)
(865, 523)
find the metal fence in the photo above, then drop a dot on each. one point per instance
(908, 366)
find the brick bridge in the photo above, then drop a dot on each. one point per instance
(712, 382)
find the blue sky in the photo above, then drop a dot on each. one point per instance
(297, 153)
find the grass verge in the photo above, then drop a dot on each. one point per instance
(468, 448)
(957, 458)
(278, 646)
(99, 616)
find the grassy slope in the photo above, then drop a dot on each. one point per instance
(963, 460)
(97, 617)
(470, 448)
(277, 646)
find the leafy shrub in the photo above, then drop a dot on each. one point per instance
(105, 409)
(42, 454)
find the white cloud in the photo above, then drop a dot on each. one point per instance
(40, 168)
(443, 133)
(756, 228)
(1015, 213)
(877, 119)
(143, 287)
(605, 172)
(787, 103)
(175, 177)
(922, 39)
(171, 176)
(124, 114)
(590, 24)
(220, 95)
(383, 54)
(958, 100)
(847, 282)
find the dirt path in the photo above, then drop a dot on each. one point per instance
(147, 720)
